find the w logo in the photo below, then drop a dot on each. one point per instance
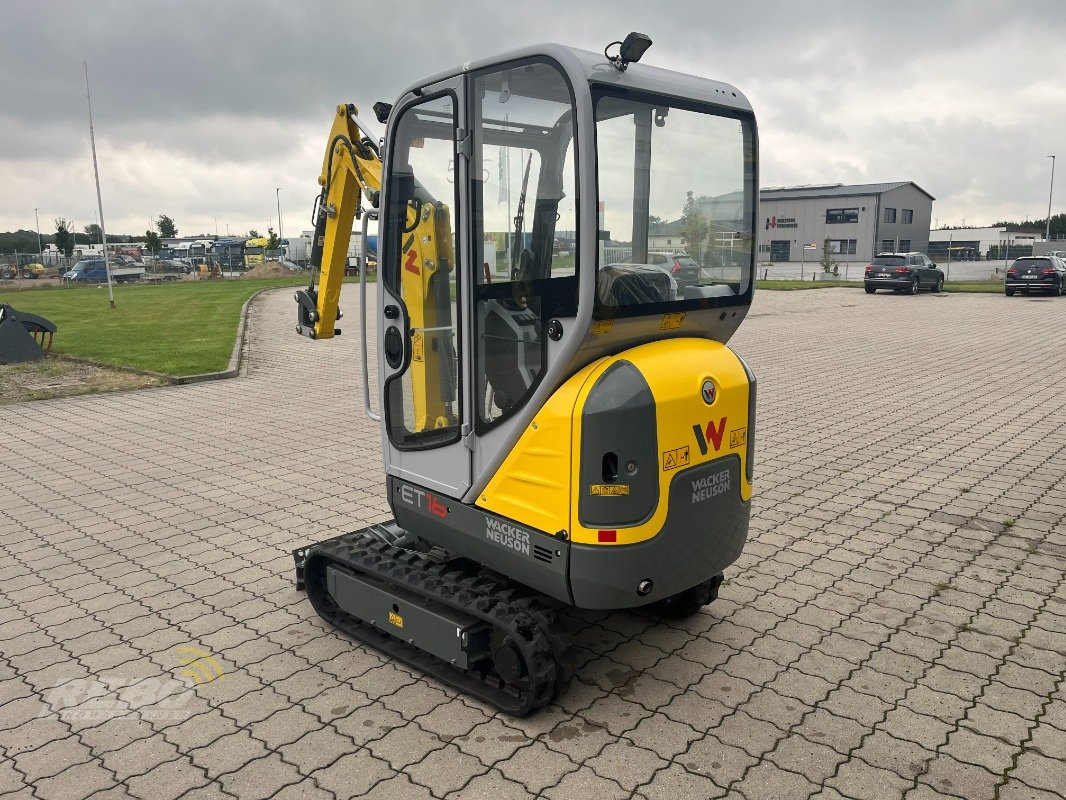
(712, 435)
(199, 666)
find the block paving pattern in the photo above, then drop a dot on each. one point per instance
(895, 627)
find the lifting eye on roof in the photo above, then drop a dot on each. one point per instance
(629, 51)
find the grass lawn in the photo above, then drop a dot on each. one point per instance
(180, 329)
(190, 327)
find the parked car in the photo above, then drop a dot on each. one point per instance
(682, 268)
(903, 272)
(1036, 274)
(93, 270)
(175, 265)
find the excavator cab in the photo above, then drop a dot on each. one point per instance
(566, 246)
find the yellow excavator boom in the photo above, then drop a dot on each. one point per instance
(351, 168)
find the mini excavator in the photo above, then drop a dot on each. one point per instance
(563, 425)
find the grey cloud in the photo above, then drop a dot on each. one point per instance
(202, 108)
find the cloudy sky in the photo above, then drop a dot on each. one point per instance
(203, 108)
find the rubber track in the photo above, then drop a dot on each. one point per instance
(526, 618)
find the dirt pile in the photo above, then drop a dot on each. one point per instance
(268, 269)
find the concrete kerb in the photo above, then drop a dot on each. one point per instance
(231, 371)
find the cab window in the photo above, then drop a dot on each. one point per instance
(524, 184)
(687, 168)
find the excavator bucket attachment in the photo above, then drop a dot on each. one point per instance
(18, 336)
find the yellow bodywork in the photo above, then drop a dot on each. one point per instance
(427, 260)
(538, 484)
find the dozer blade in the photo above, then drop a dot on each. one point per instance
(487, 638)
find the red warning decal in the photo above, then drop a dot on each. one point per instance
(409, 264)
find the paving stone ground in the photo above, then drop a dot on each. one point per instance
(895, 627)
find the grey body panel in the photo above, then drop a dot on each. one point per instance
(444, 632)
(529, 556)
(444, 469)
(619, 418)
(705, 530)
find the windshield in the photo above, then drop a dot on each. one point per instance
(1023, 263)
(672, 178)
(889, 261)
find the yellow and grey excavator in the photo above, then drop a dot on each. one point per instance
(562, 425)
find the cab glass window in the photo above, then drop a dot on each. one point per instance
(525, 228)
(676, 172)
(423, 403)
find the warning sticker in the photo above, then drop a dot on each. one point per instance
(417, 347)
(609, 489)
(602, 326)
(672, 321)
(675, 459)
(738, 437)
(395, 619)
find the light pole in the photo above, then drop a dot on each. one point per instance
(277, 192)
(1051, 191)
(99, 196)
(38, 220)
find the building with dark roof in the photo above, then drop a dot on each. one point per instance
(859, 220)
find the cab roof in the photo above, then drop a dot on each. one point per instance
(594, 68)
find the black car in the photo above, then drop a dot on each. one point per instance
(903, 272)
(1036, 274)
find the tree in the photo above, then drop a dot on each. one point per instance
(655, 224)
(93, 232)
(151, 242)
(829, 264)
(694, 227)
(167, 228)
(64, 240)
(253, 234)
(1058, 225)
(273, 242)
(22, 241)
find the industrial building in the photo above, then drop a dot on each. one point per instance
(983, 244)
(859, 221)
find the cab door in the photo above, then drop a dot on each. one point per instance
(421, 312)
